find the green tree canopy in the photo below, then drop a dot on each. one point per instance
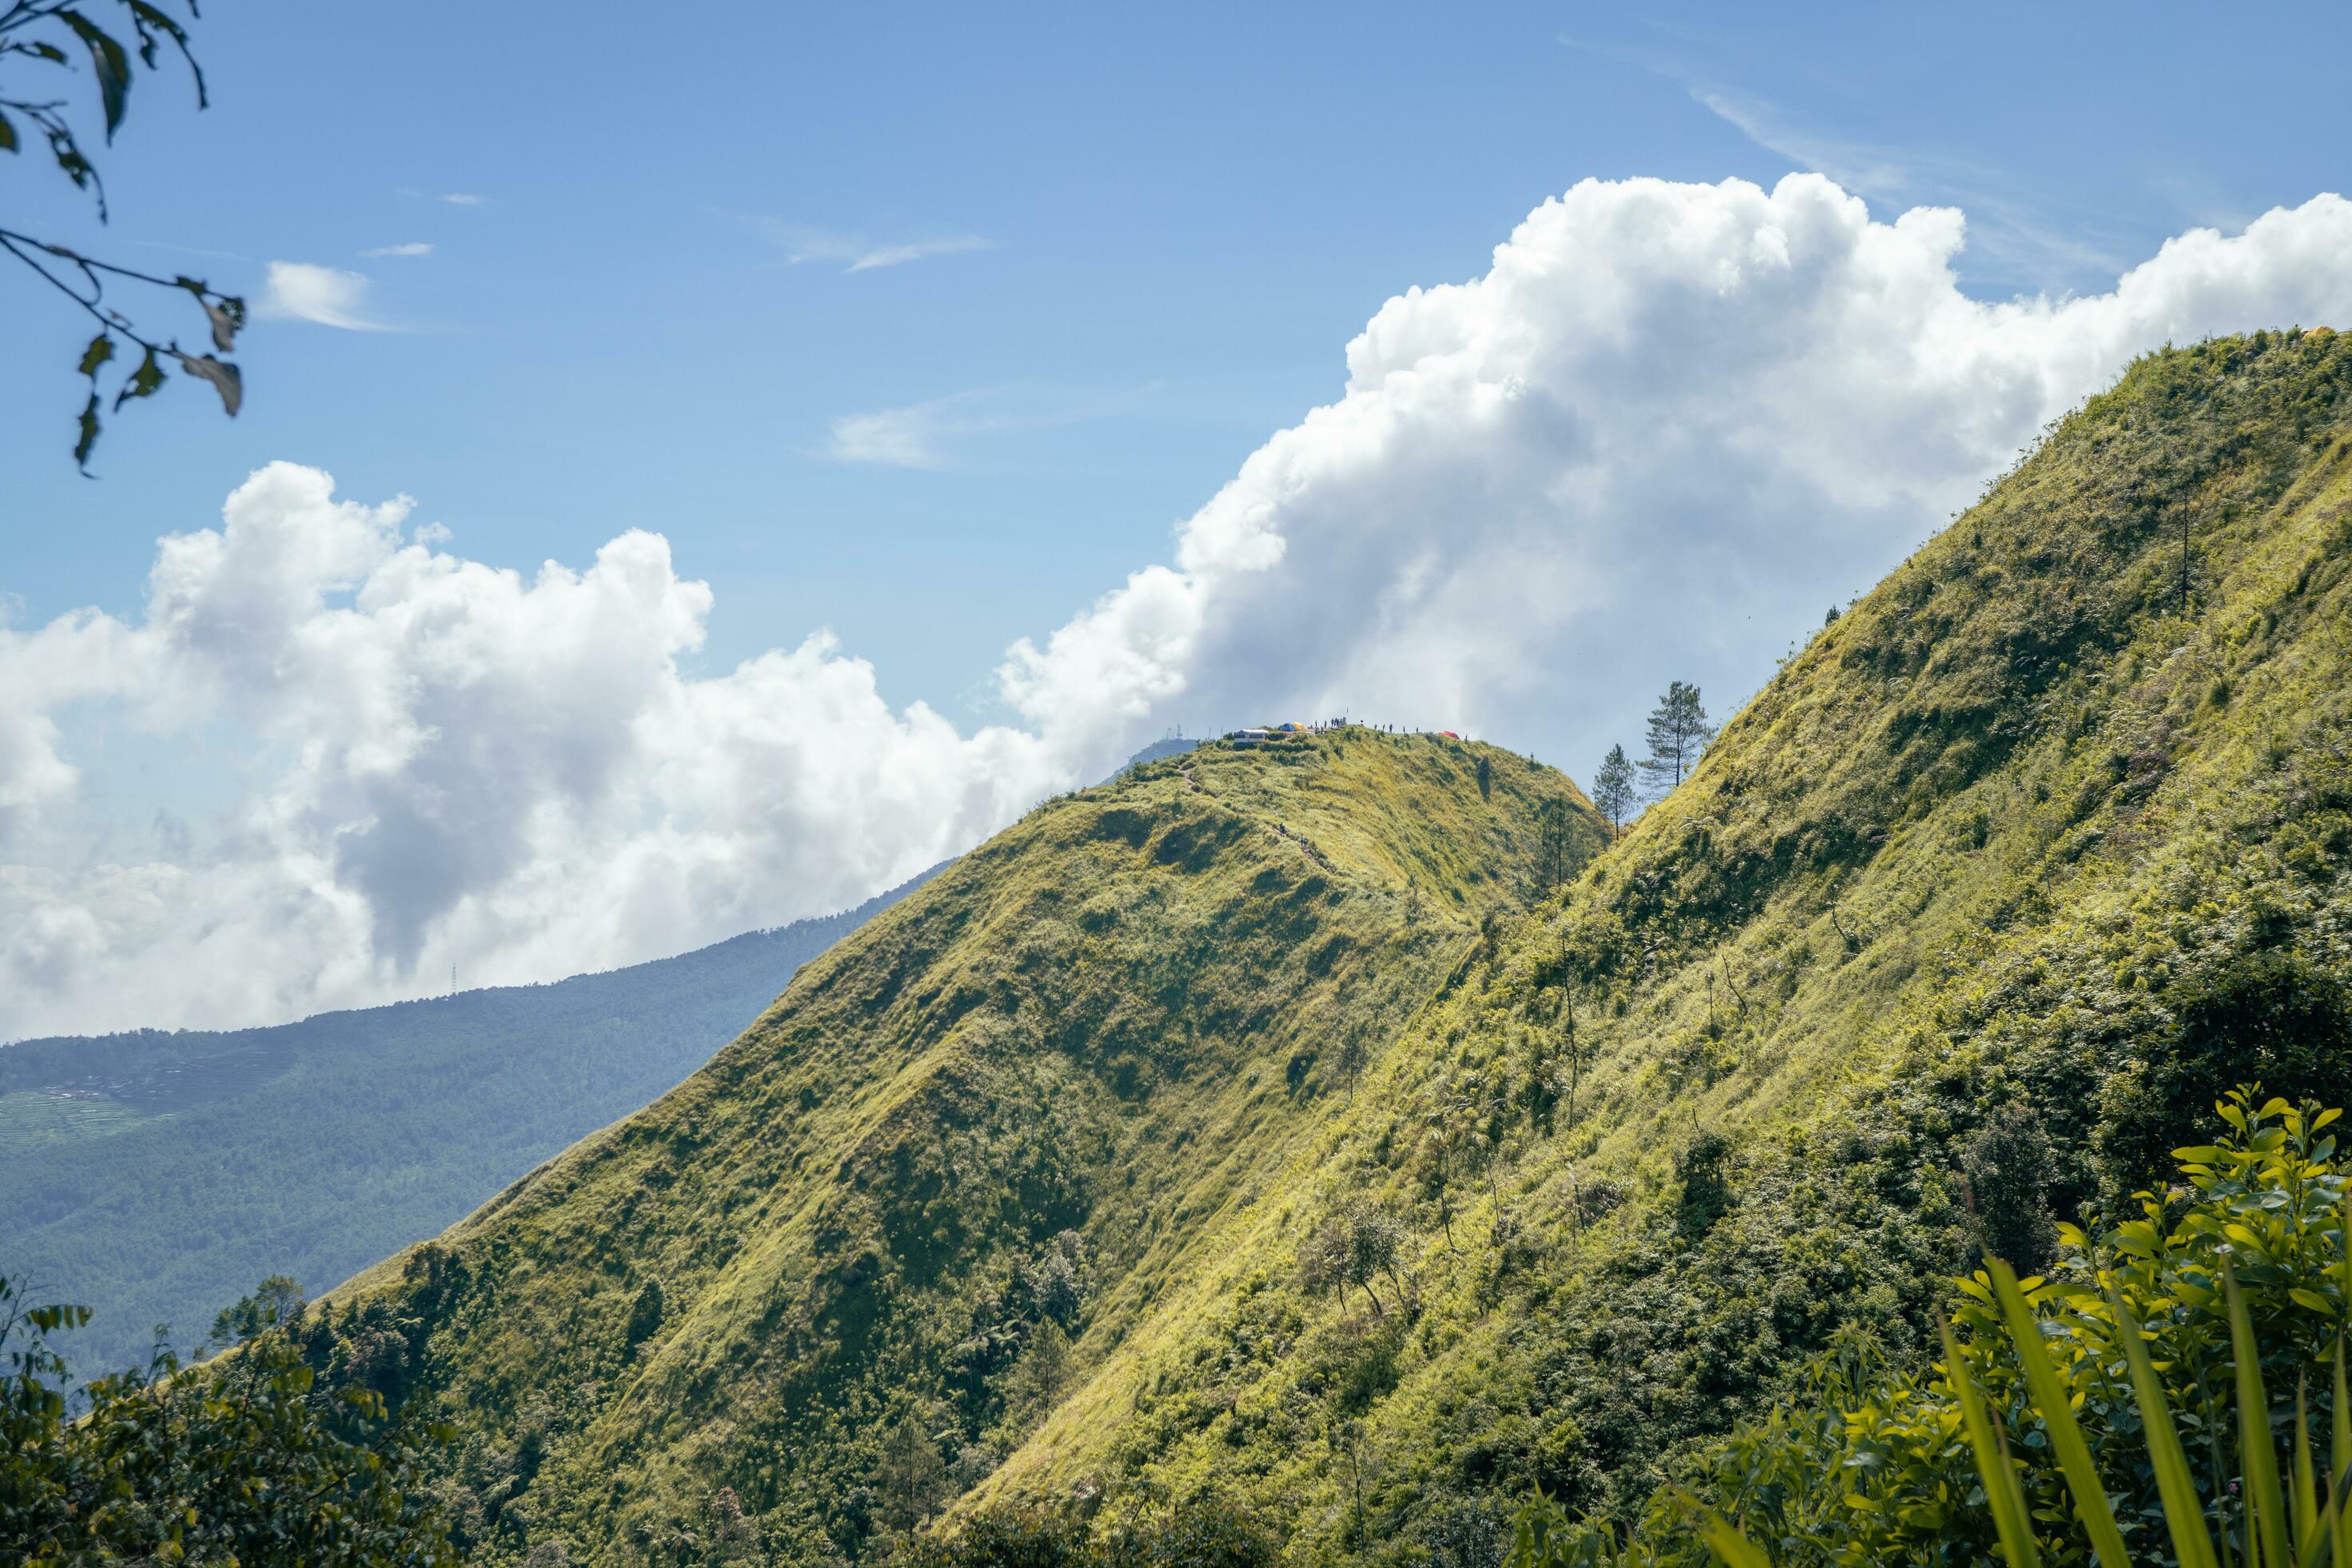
(249, 1460)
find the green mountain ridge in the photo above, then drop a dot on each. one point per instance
(1252, 1126)
(858, 1200)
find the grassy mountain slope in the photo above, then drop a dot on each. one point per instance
(1994, 886)
(1023, 1098)
(1998, 880)
(158, 1175)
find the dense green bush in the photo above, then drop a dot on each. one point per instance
(1206, 1534)
(250, 1460)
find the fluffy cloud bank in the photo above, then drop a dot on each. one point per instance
(458, 765)
(1667, 425)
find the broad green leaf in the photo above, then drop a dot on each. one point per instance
(142, 382)
(100, 350)
(89, 437)
(226, 314)
(225, 378)
(224, 323)
(1732, 1549)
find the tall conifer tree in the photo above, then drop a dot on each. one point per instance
(1612, 789)
(1678, 734)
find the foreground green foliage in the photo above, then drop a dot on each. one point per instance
(38, 37)
(2158, 1398)
(152, 1173)
(252, 1460)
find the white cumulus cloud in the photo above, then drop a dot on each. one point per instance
(1667, 427)
(1664, 427)
(513, 774)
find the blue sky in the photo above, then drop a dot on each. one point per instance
(1186, 217)
(1084, 371)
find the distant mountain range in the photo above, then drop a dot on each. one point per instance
(157, 1175)
(1166, 746)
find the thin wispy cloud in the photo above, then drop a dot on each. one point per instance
(193, 250)
(910, 437)
(1858, 166)
(803, 244)
(454, 198)
(893, 438)
(920, 435)
(2010, 225)
(414, 248)
(899, 254)
(327, 296)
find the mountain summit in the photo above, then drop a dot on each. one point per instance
(972, 1149)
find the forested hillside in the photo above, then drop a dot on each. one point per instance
(157, 1176)
(1255, 1128)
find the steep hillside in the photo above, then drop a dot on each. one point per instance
(156, 1177)
(1981, 901)
(837, 1272)
(1204, 1136)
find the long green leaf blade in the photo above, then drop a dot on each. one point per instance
(2003, 1493)
(2057, 1412)
(2339, 1450)
(2257, 1460)
(2306, 1489)
(1732, 1549)
(2184, 1511)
